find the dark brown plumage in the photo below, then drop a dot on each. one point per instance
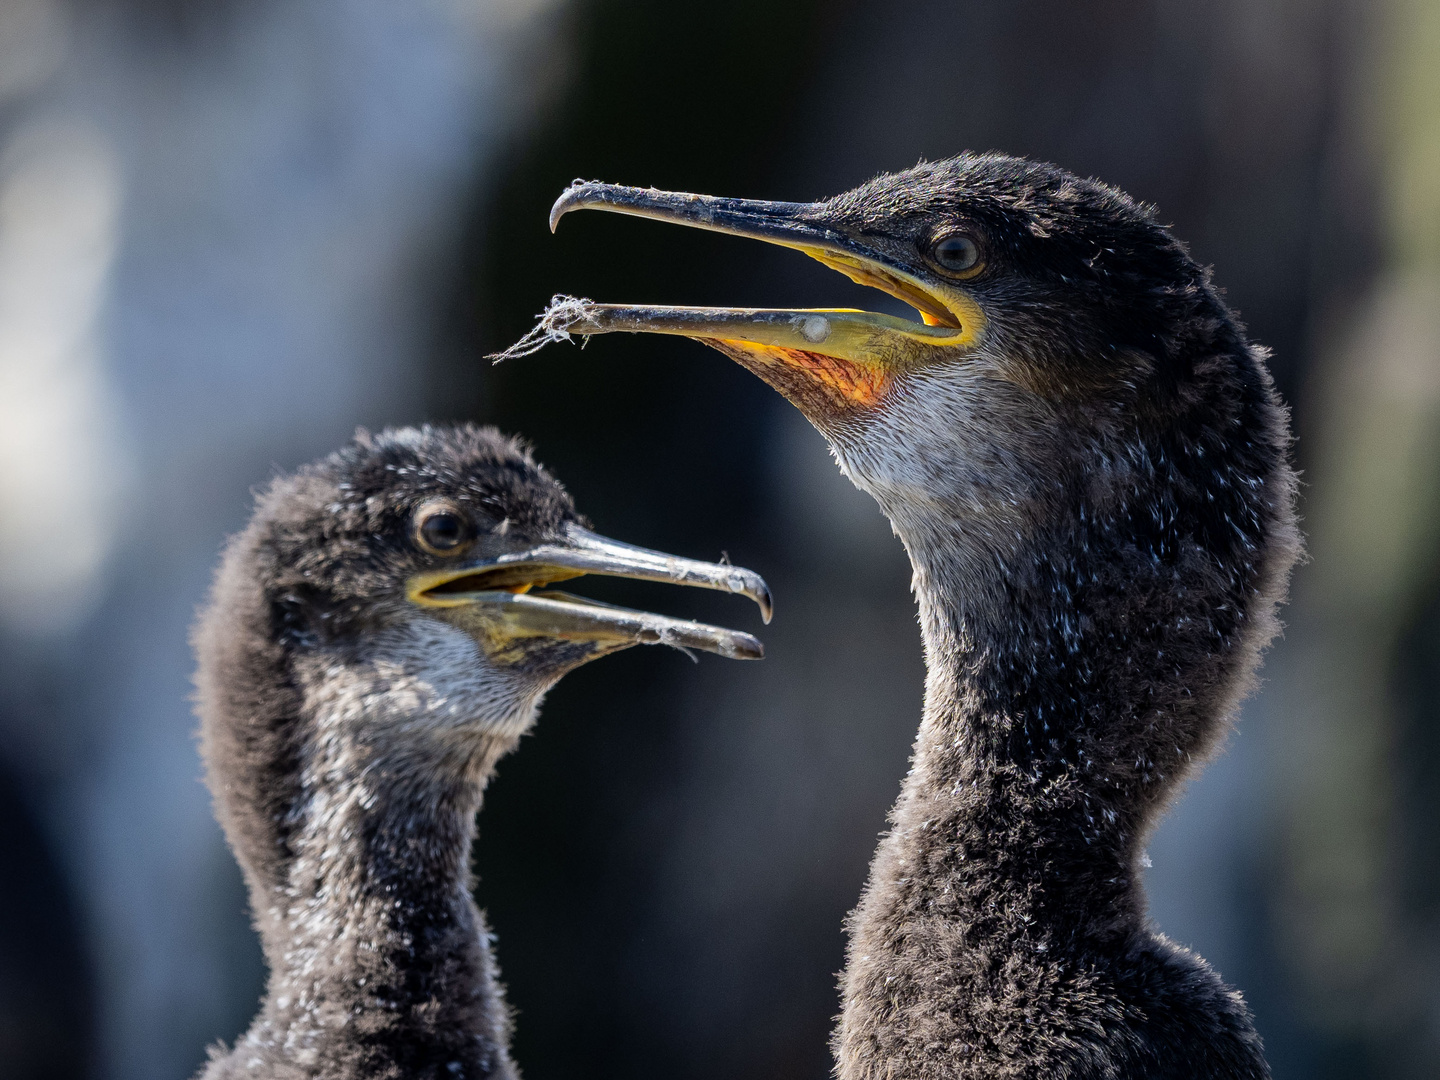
(372, 646)
(1087, 463)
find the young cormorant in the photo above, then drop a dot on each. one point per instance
(371, 647)
(1087, 463)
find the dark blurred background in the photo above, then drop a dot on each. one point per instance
(232, 231)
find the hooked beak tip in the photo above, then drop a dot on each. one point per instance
(572, 198)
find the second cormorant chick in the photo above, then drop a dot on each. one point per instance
(375, 641)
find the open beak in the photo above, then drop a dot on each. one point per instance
(494, 600)
(836, 357)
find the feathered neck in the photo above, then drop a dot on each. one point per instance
(1074, 677)
(379, 957)
(349, 794)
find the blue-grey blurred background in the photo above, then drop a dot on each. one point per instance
(233, 230)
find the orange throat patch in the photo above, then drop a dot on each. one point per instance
(812, 381)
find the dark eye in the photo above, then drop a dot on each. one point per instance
(441, 530)
(956, 253)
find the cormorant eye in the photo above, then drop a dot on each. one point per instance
(441, 530)
(957, 253)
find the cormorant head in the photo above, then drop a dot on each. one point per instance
(412, 567)
(1061, 336)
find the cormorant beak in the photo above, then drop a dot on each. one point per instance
(821, 358)
(492, 599)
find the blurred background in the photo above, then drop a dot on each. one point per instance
(232, 231)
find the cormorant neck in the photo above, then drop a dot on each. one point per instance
(376, 949)
(361, 886)
(1082, 653)
(1010, 789)
(1096, 577)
